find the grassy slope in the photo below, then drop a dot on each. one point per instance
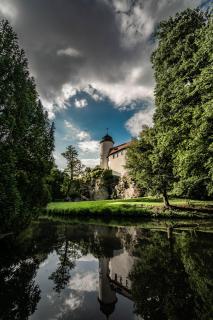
(147, 206)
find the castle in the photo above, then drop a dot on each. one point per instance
(111, 157)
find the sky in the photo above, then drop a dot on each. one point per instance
(91, 63)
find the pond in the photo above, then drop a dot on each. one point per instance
(58, 270)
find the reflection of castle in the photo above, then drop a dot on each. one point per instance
(114, 279)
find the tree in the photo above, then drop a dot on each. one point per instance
(176, 155)
(73, 170)
(55, 182)
(26, 136)
(194, 158)
(138, 160)
(183, 95)
(149, 169)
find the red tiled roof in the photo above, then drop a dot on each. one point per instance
(119, 148)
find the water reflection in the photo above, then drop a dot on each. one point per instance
(58, 271)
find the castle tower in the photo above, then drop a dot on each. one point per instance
(107, 296)
(106, 144)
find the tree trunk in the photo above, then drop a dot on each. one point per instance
(166, 200)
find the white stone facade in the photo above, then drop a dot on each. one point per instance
(111, 157)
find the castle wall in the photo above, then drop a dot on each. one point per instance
(117, 162)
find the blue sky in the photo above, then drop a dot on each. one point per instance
(91, 63)
(84, 126)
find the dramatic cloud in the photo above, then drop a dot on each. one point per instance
(142, 118)
(105, 43)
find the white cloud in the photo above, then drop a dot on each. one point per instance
(54, 102)
(80, 103)
(89, 146)
(135, 123)
(84, 282)
(69, 52)
(68, 124)
(73, 131)
(67, 92)
(122, 94)
(83, 135)
(94, 94)
(91, 163)
(60, 160)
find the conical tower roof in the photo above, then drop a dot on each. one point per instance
(107, 137)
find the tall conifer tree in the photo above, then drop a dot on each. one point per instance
(26, 135)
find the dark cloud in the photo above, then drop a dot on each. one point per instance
(105, 43)
(45, 27)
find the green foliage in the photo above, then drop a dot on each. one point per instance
(55, 181)
(26, 136)
(148, 166)
(73, 170)
(139, 161)
(183, 98)
(177, 154)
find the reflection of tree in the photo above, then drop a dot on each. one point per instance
(160, 285)
(67, 254)
(196, 256)
(173, 286)
(19, 294)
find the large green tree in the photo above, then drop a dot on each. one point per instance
(176, 155)
(183, 97)
(26, 136)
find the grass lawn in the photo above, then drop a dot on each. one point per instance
(147, 206)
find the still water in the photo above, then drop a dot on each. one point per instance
(83, 271)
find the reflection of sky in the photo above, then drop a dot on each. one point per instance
(79, 299)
